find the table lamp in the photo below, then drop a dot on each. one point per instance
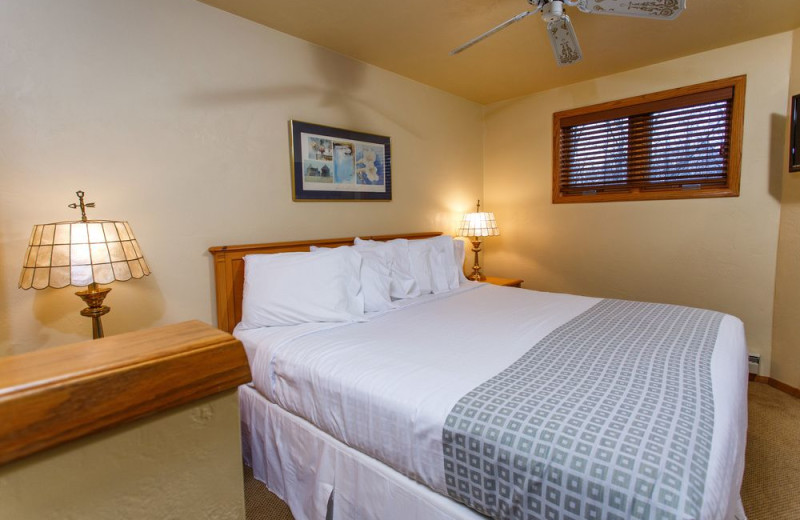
(83, 253)
(476, 225)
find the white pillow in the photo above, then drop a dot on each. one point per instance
(442, 272)
(446, 246)
(419, 253)
(293, 288)
(459, 249)
(403, 284)
(375, 278)
(442, 268)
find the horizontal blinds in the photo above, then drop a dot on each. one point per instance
(658, 105)
(652, 146)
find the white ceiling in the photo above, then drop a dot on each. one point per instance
(413, 38)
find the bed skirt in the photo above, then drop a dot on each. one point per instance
(320, 477)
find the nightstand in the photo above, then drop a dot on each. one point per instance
(507, 282)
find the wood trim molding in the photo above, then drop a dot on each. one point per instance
(55, 395)
(229, 268)
(774, 383)
(783, 387)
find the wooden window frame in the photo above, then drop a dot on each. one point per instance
(643, 106)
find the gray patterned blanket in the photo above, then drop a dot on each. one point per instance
(608, 417)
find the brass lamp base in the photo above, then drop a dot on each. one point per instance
(93, 296)
(477, 275)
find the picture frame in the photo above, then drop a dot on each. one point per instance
(794, 137)
(335, 164)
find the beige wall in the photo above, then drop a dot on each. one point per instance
(718, 254)
(174, 116)
(786, 331)
(185, 463)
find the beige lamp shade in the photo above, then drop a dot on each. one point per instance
(81, 253)
(478, 224)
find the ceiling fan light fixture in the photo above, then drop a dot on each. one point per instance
(658, 9)
(559, 28)
(564, 42)
(552, 11)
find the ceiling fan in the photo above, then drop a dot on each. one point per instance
(559, 28)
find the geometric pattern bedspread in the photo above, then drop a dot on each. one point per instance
(609, 417)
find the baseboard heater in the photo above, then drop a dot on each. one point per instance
(755, 363)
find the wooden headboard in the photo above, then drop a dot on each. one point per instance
(229, 268)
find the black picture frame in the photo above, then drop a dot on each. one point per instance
(794, 136)
(330, 164)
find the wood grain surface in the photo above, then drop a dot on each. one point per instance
(55, 395)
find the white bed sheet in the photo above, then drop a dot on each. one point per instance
(386, 386)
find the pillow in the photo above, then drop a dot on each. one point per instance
(460, 250)
(442, 263)
(446, 246)
(293, 288)
(442, 272)
(403, 284)
(419, 254)
(375, 278)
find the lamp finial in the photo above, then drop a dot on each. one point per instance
(478, 209)
(82, 205)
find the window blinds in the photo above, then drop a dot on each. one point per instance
(680, 143)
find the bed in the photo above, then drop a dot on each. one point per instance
(473, 400)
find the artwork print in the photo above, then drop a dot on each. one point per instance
(337, 164)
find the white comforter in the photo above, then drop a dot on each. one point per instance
(386, 386)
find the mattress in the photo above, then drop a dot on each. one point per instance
(386, 387)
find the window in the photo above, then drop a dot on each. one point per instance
(675, 144)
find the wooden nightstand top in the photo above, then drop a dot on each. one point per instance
(507, 282)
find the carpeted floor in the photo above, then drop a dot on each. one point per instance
(771, 488)
(259, 503)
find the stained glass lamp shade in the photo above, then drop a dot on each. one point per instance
(83, 253)
(80, 254)
(476, 225)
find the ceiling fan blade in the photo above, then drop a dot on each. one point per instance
(660, 9)
(565, 43)
(490, 32)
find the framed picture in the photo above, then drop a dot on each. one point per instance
(336, 164)
(794, 138)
